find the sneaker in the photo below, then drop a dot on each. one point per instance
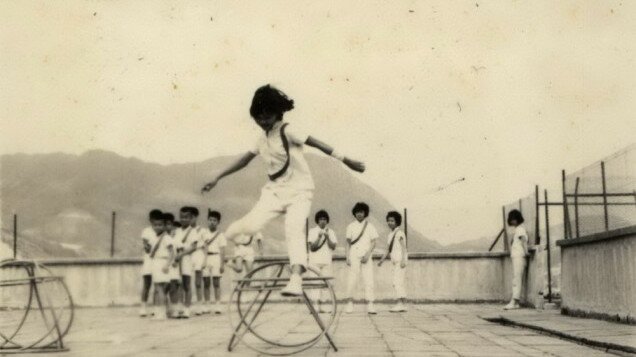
(349, 308)
(197, 310)
(513, 305)
(217, 308)
(399, 307)
(371, 309)
(186, 313)
(142, 311)
(294, 287)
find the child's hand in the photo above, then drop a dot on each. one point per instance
(403, 265)
(380, 263)
(348, 261)
(364, 259)
(222, 268)
(354, 165)
(165, 269)
(210, 185)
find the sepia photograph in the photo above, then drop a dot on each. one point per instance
(317, 178)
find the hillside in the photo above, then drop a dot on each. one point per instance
(64, 202)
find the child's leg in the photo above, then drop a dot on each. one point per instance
(160, 312)
(174, 291)
(216, 282)
(145, 290)
(325, 271)
(206, 288)
(367, 279)
(198, 285)
(266, 209)
(295, 221)
(352, 278)
(518, 265)
(187, 290)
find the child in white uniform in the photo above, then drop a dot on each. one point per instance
(361, 236)
(322, 241)
(148, 239)
(290, 187)
(396, 242)
(162, 255)
(187, 241)
(198, 261)
(244, 253)
(518, 254)
(214, 243)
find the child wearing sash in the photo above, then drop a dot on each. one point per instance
(244, 253)
(214, 243)
(148, 239)
(290, 188)
(396, 241)
(173, 270)
(187, 241)
(162, 255)
(361, 236)
(198, 261)
(518, 256)
(322, 241)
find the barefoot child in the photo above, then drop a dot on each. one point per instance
(162, 255)
(244, 253)
(397, 251)
(148, 238)
(361, 236)
(215, 244)
(518, 254)
(290, 187)
(322, 242)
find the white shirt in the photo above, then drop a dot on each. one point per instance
(396, 252)
(148, 236)
(191, 238)
(362, 246)
(244, 239)
(165, 243)
(519, 245)
(218, 242)
(270, 146)
(322, 255)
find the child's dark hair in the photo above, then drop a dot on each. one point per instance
(270, 100)
(515, 215)
(321, 214)
(168, 217)
(215, 214)
(191, 210)
(155, 215)
(360, 206)
(177, 224)
(397, 217)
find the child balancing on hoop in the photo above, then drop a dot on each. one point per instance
(290, 187)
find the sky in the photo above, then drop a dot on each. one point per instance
(504, 95)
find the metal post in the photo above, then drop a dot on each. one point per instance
(112, 234)
(15, 236)
(604, 196)
(576, 207)
(406, 228)
(566, 216)
(307, 237)
(537, 236)
(547, 241)
(506, 242)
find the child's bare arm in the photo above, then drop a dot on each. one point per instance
(234, 167)
(352, 164)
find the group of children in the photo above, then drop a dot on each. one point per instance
(175, 252)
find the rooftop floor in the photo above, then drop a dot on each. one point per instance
(426, 330)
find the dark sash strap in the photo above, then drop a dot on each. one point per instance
(213, 238)
(186, 236)
(364, 227)
(321, 244)
(282, 171)
(392, 241)
(154, 249)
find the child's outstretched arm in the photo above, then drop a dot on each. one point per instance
(234, 167)
(352, 164)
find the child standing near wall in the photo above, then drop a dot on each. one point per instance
(518, 254)
(396, 241)
(361, 236)
(188, 242)
(215, 244)
(322, 241)
(148, 239)
(162, 255)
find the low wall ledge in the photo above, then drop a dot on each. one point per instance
(599, 237)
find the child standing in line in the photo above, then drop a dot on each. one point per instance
(148, 239)
(215, 244)
(518, 254)
(290, 187)
(173, 270)
(361, 236)
(187, 241)
(198, 261)
(244, 253)
(322, 242)
(399, 256)
(162, 255)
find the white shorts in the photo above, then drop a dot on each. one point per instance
(213, 267)
(198, 259)
(146, 265)
(246, 252)
(158, 275)
(174, 272)
(186, 265)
